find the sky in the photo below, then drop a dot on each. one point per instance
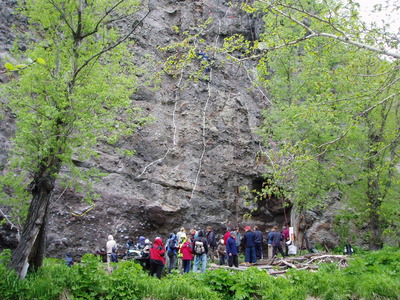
(366, 6)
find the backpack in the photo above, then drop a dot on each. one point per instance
(199, 248)
(171, 249)
(348, 250)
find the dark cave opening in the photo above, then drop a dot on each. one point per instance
(269, 208)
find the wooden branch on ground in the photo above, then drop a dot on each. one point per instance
(282, 265)
(325, 257)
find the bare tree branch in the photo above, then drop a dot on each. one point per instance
(313, 34)
(110, 47)
(102, 19)
(63, 16)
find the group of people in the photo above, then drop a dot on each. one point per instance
(182, 248)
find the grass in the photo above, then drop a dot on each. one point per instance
(373, 275)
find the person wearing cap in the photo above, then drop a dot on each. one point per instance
(231, 250)
(250, 253)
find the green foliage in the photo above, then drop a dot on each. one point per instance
(333, 123)
(72, 93)
(369, 276)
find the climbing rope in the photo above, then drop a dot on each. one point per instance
(82, 214)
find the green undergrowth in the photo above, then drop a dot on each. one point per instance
(372, 275)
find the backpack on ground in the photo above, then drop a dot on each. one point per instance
(199, 248)
(348, 250)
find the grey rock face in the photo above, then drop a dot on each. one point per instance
(189, 162)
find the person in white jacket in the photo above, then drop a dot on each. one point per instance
(109, 246)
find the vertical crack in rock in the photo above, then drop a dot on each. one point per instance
(203, 135)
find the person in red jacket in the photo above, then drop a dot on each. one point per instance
(285, 234)
(186, 251)
(157, 260)
(227, 235)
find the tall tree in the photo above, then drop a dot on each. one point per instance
(334, 122)
(72, 93)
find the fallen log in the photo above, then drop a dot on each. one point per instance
(288, 264)
(327, 256)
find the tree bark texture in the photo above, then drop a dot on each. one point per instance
(31, 247)
(373, 197)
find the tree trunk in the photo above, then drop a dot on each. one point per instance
(31, 248)
(375, 222)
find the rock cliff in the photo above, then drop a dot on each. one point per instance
(189, 162)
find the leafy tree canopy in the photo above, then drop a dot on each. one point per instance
(72, 93)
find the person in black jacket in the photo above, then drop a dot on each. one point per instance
(248, 239)
(258, 239)
(200, 250)
(276, 237)
(212, 243)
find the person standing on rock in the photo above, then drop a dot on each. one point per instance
(277, 237)
(111, 243)
(200, 250)
(258, 239)
(231, 250)
(212, 243)
(157, 260)
(250, 254)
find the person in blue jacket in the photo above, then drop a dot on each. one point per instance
(250, 254)
(258, 240)
(231, 250)
(172, 251)
(270, 242)
(68, 260)
(277, 237)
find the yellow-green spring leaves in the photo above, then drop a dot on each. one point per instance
(11, 67)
